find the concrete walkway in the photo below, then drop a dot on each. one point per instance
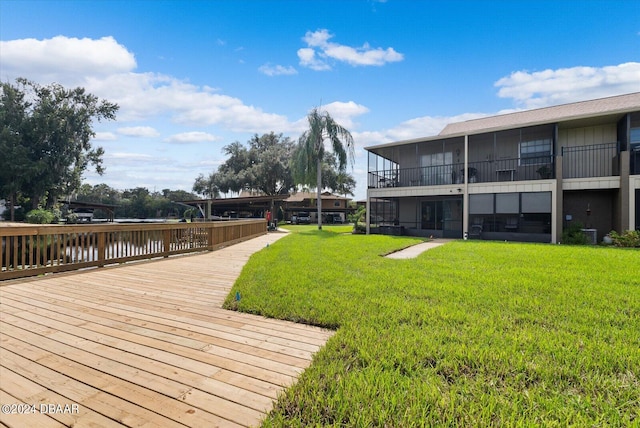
(415, 250)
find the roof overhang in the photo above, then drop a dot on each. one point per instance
(603, 110)
(247, 200)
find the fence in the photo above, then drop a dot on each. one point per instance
(34, 249)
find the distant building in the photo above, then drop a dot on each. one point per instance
(334, 208)
(286, 207)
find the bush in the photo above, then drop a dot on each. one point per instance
(71, 218)
(359, 228)
(630, 238)
(573, 235)
(358, 216)
(40, 216)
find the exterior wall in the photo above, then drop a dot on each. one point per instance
(332, 204)
(594, 160)
(586, 136)
(591, 183)
(599, 202)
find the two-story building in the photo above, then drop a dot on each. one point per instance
(521, 176)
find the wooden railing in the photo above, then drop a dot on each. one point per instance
(35, 249)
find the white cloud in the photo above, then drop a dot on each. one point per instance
(191, 137)
(308, 59)
(129, 157)
(105, 136)
(277, 70)
(318, 38)
(424, 126)
(566, 85)
(105, 68)
(320, 50)
(343, 113)
(139, 131)
(64, 58)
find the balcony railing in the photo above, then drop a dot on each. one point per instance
(422, 176)
(478, 172)
(597, 160)
(512, 169)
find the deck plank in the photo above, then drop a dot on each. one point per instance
(147, 344)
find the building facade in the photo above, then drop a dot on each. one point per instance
(523, 176)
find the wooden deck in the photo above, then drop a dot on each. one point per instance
(145, 344)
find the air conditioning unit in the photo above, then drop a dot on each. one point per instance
(592, 235)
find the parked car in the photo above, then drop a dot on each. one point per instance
(333, 218)
(84, 215)
(303, 218)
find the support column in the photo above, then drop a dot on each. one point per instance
(368, 213)
(557, 197)
(625, 191)
(465, 196)
(632, 208)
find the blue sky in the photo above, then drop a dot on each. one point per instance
(193, 76)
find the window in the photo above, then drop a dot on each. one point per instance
(507, 203)
(535, 152)
(536, 202)
(481, 203)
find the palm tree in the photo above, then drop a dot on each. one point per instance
(308, 157)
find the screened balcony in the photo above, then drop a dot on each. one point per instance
(478, 172)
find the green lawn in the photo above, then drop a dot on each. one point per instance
(468, 334)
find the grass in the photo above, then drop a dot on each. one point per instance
(468, 334)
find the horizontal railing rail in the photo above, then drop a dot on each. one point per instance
(596, 160)
(419, 176)
(37, 249)
(512, 169)
(478, 172)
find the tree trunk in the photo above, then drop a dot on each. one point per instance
(319, 199)
(12, 206)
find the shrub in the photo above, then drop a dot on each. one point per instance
(573, 235)
(71, 217)
(40, 216)
(630, 238)
(359, 228)
(358, 216)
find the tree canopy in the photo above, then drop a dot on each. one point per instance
(45, 139)
(310, 154)
(138, 202)
(263, 166)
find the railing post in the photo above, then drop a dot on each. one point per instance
(166, 237)
(211, 237)
(102, 248)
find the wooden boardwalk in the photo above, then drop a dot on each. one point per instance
(145, 345)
